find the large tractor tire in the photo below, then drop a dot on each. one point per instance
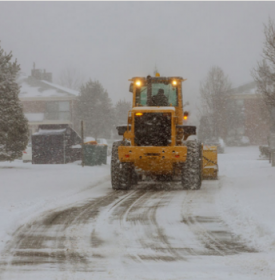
(135, 177)
(121, 173)
(191, 175)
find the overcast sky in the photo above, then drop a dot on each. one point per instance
(114, 41)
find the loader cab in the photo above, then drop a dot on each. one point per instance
(161, 95)
(147, 93)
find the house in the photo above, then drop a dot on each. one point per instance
(247, 116)
(44, 102)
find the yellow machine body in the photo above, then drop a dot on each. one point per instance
(162, 160)
(210, 162)
(155, 160)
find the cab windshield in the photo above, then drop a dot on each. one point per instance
(170, 95)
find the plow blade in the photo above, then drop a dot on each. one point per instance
(210, 162)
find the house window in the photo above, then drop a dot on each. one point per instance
(64, 106)
(58, 110)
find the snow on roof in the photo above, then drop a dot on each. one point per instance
(33, 88)
(49, 131)
(249, 88)
(71, 91)
(35, 117)
(153, 108)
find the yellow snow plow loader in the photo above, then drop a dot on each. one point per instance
(155, 140)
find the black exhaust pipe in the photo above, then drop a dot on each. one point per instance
(149, 91)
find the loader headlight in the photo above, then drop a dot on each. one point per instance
(174, 83)
(138, 83)
(139, 114)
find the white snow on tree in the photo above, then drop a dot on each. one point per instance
(13, 124)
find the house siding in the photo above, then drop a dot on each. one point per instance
(256, 126)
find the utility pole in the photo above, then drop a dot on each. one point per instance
(82, 146)
(64, 148)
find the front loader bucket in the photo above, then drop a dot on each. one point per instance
(210, 162)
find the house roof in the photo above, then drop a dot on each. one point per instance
(246, 91)
(249, 88)
(34, 89)
(50, 131)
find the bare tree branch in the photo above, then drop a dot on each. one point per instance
(70, 78)
(214, 91)
(264, 73)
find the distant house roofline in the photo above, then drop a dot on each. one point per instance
(33, 89)
(248, 88)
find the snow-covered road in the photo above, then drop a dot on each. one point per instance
(153, 231)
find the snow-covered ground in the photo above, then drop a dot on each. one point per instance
(65, 222)
(247, 197)
(27, 190)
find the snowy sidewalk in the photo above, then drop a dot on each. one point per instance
(247, 200)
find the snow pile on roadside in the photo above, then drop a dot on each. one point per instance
(246, 200)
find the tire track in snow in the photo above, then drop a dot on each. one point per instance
(126, 222)
(52, 239)
(209, 228)
(141, 213)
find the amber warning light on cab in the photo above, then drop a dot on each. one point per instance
(185, 116)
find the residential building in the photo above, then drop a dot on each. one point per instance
(247, 116)
(45, 102)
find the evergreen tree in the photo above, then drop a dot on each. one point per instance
(121, 110)
(13, 124)
(94, 107)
